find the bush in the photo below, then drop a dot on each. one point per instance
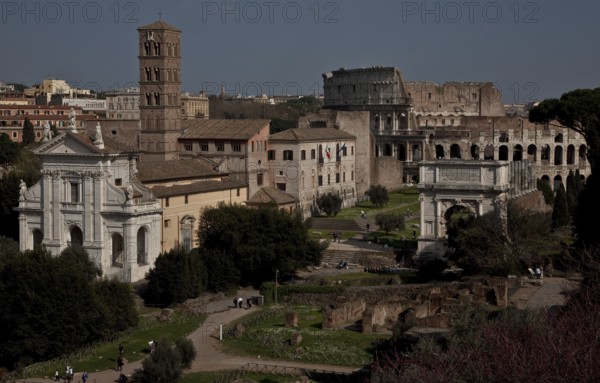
(330, 204)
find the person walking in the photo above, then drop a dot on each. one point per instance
(84, 376)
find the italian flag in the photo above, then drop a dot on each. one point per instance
(328, 152)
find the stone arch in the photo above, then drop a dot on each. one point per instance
(401, 152)
(517, 153)
(503, 153)
(387, 150)
(142, 245)
(488, 152)
(117, 250)
(545, 155)
(75, 236)
(558, 155)
(570, 154)
(558, 138)
(546, 178)
(439, 152)
(475, 151)
(503, 137)
(532, 153)
(455, 151)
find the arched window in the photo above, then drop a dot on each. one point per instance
(503, 153)
(475, 152)
(503, 137)
(558, 138)
(545, 153)
(488, 152)
(75, 236)
(401, 152)
(38, 237)
(558, 154)
(582, 154)
(532, 153)
(142, 237)
(570, 155)
(557, 182)
(439, 152)
(117, 250)
(388, 150)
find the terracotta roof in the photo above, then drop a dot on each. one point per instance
(195, 188)
(110, 146)
(222, 129)
(154, 171)
(270, 195)
(312, 134)
(159, 24)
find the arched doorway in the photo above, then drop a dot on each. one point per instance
(475, 151)
(503, 153)
(401, 152)
(117, 250)
(142, 256)
(457, 218)
(75, 236)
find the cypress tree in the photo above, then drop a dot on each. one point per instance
(28, 133)
(560, 213)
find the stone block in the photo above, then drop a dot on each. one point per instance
(291, 319)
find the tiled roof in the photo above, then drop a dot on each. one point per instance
(222, 129)
(270, 195)
(154, 171)
(159, 24)
(313, 134)
(110, 146)
(195, 188)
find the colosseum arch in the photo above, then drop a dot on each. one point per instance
(455, 151)
(545, 155)
(517, 153)
(582, 153)
(475, 152)
(488, 152)
(558, 155)
(557, 182)
(571, 155)
(439, 152)
(532, 153)
(558, 138)
(503, 137)
(401, 152)
(503, 153)
(388, 150)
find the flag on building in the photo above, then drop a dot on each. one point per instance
(328, 152)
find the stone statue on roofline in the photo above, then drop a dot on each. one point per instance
(72, 118)
(47, 132)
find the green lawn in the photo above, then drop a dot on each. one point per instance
(269, 338)
(409, 195)
(135, 345)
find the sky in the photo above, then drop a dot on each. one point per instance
(531, 50)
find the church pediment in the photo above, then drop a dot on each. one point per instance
(69, 143)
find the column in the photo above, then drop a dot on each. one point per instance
(23, 232)
(46, 203)
(88, 210)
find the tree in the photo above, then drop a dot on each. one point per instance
(279, 125)
(546, 189)
(572, 194)
(244, 246)
(486, 244)
(8, 150)
(28, 132)
(389, 221)
(560, 213)
(165, 364)
(579, 110)
(177, 275)
(378, 195)
(331, 204)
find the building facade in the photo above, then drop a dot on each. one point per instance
(194, 106)
(123, 104)
(89, 196)
(307, 163)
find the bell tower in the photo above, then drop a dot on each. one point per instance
(160, 84)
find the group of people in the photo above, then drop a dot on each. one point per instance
(69, 375)
(238, 303)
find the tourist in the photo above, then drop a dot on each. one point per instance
(235, 301)
(248, 303)
(84, 376)
(56, 376)
(240, 302)
(120, 364)
(121, 349)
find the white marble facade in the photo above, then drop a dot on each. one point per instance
(88, 195)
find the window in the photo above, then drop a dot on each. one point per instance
(271, 155)
(313, 154)
(187, 227)
(303, 155)
(344, 177)
(186, 199)
(288, 155)
(352, 150)
(167, 222)
(14, 134)
(119, 182)
(281, 187)
(187, 147)
(320, 180)
(337, 178)
(236, 147)
(167, 202)
(220, 146)
(237, 192)
(352, 175)
(259, 179)
(328, 179)
(204, 147)
(74, 192)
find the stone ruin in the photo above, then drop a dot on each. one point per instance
(378, 309)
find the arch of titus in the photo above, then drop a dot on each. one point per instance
(479, 186)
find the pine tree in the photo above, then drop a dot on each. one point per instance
(28, 133)
(560, 213)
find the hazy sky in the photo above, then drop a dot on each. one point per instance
(530, 49)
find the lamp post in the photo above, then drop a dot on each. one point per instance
(276, 275)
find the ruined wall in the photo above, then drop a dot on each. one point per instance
(387, 172)
(344, 310)
(533, 201)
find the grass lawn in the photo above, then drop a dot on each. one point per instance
(409, 195)
(135, 344)
(270, 338)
